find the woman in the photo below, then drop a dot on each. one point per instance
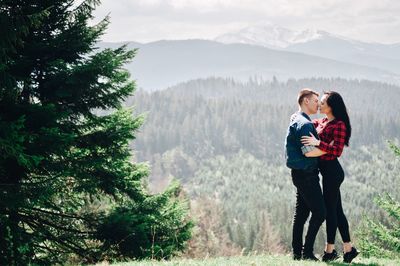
(334, 132)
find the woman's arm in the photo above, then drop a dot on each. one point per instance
(339, 137)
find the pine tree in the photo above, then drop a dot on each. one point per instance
(382, 239)
(68, 186)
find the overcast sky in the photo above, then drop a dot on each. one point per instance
(151, 20)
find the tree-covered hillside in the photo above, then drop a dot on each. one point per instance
(224, 140)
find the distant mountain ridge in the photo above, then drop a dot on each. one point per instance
(161, 64)
(318, 43)
(269, 35)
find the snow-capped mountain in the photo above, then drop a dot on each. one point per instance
(318, 43)
(270, 35)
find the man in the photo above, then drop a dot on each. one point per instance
(304, 170)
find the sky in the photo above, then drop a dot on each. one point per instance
(151, 20)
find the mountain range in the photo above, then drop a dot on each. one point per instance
(318, 43)
(262, 51)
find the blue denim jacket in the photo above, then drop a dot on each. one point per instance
(300, 125)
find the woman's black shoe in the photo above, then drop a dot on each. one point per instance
(349, 256)
(330, 256)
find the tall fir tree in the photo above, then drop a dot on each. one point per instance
(382, 238)
(68, 186)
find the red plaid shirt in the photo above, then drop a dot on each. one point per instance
(327, 131)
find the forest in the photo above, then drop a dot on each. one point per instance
(224, 140)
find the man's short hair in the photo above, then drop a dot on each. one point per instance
(305, 93)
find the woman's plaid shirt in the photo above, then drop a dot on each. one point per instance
(327, 131)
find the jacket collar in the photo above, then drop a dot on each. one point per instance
(305, 115)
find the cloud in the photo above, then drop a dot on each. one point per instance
(147, 20)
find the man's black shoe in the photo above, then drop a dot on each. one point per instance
(296, 256)
(330, 256)
(349, 256)
(310, 257)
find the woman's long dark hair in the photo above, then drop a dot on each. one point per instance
(339, 111)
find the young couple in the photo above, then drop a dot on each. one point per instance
(313, 147)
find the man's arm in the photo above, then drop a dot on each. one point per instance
(315, 152)
(309, 151)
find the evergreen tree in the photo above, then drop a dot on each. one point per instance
(68, 186)
(382, 239)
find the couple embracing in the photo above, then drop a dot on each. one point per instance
(313, 147)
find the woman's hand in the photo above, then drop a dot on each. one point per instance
(310, 141)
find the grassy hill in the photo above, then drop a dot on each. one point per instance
(274, 260)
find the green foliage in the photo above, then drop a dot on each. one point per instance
(382, 238)
(154, 228)
(65, 170)
(395, 148)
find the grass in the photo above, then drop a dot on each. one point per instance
(275, 260)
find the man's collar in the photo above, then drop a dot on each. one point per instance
(305, 115)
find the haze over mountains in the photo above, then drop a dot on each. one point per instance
(263, 51)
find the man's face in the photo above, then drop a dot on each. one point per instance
(312, 103)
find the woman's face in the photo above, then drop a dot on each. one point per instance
(324, 107)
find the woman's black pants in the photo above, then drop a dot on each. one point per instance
(332, 177)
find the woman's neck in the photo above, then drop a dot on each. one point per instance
(330, 117)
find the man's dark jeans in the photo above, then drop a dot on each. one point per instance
(308, 199)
